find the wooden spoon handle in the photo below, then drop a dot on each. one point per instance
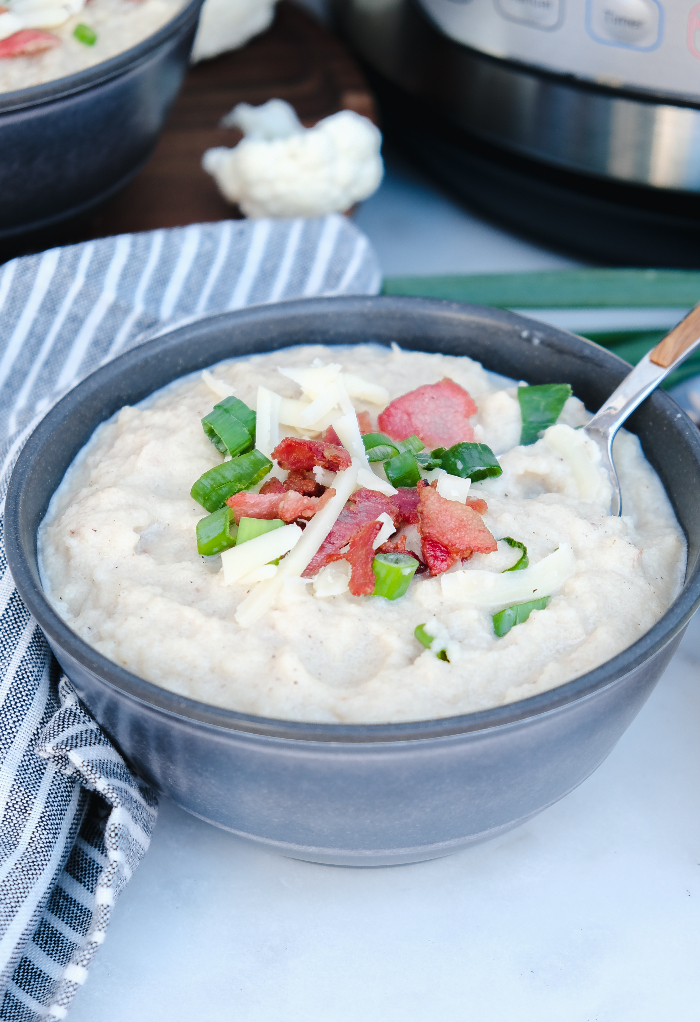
(678, 341)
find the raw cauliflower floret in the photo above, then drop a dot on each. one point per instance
(282, 169)
(227, 24)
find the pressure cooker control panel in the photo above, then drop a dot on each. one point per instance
(652, 44)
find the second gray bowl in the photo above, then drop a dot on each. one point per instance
(71, 143)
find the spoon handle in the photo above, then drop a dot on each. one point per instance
(678, 341)
(656, 365)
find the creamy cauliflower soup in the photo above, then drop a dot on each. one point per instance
(41, 40)
(357, 535)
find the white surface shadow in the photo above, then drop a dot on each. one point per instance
(416, 229)
(588, 913)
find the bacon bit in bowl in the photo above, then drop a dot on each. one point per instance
(450, 531)
(438, 413)
(28, 42)
(301, 455)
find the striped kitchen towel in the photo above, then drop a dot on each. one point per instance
(74, 822)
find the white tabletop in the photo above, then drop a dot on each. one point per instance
(588, 913)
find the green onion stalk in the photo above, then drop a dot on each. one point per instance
(518, 614)
(393, 573)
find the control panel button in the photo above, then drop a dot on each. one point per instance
(694, 31)
(633, 23)
(538, 13)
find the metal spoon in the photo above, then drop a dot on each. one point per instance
(676, 346)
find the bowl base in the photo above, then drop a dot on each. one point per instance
(369, 858)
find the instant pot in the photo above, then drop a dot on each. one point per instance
(574, 121)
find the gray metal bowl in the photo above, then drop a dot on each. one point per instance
(361, 795)
(71, 143)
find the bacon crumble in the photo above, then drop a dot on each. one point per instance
(360, 555)
(28, 41)
(450, 531)
(288, 505)
(406, 501)
(364, 506)
(437, 413)
(272, 485)
(302, 455)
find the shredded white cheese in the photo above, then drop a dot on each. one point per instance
(453, 487)
(322, 476)
(267, 421)
(388, 529)
(259, 575)
(333, 580)
(583, 458)
(448, 486)
(241, 560)
(326, 388)
(323, 391)
(348, 430)
(264, 595)
(321, 523)
(491, 589)
(363, 390)
(290, 411)
(367, 479)
(332, 396)
(219, 387)
(314, 380)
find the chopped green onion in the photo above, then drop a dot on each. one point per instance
(230, 426)
(427, 640)
(379, 447)
(469, 460)
(402, 470)
(428, 461)
(516, 615)
(522, 561)
(393, 573)
(412, 444)
(226, 432)
(85, 34)
(251, 528)
(381, 453)
(540, 407)
(218, 484)
(241, 410)
(214, 532)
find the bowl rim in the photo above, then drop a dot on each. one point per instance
(80, 81)
(159, 699)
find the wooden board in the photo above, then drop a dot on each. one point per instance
(297, 59)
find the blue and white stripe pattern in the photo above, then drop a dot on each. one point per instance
(74, 822)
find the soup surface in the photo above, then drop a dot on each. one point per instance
(40, 42)
(558, 588)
